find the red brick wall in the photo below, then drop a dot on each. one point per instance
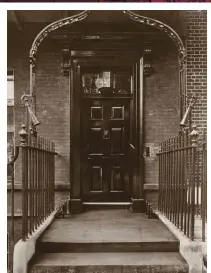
(53, 106)
(161, 104)
(161, 122)
(52, 95)
(196, 43)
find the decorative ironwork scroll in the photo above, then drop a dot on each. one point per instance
(173, 35)
(161, 26)
(52, 27)
(44, 33)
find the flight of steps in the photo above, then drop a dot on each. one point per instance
(107, 241)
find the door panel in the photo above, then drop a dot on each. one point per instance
(95, 145)
(96, 182)
(105, 140)
(116, 179)
(117, 141)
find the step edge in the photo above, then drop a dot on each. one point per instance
(107, 203)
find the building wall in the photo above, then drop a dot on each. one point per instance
(161, 104)
(52, 97)
(161, 98)
(161, 93)
(52, 110)
(53, 106)
(196, 43)
(195, 40)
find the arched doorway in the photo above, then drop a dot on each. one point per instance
(131, 103)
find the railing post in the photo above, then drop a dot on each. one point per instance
(160, 180)
(194, 143)
(204, 186)
(53, 176)
(30, 188)
(174, 170)
(185, 181)
(182, 180)
(23, 144)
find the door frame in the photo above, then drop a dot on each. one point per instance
(136, 141)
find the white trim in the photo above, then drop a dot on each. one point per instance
(192, 251)
(24, 250)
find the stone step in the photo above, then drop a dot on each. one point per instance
(145, 262)
(106, 205)
(57, 247)
(115, 226)
(107, 231)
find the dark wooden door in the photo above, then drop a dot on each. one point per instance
(105, 141)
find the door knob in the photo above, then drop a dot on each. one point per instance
(106, 134)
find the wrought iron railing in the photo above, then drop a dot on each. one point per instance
(38, 179)
(183, 182)
(11, 230)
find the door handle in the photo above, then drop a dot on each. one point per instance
(106, 134)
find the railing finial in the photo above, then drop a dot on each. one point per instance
(194, 136)
(23, 135)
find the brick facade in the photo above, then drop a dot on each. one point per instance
(161, 105)
(161, 94)
(196, 44)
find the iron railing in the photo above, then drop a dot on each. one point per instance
(183, 182)
(11, 231)
(38, 179)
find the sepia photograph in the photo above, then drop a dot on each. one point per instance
(106, 141)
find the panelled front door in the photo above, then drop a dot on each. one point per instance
(104, 143)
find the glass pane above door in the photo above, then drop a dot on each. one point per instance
(96, 83)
